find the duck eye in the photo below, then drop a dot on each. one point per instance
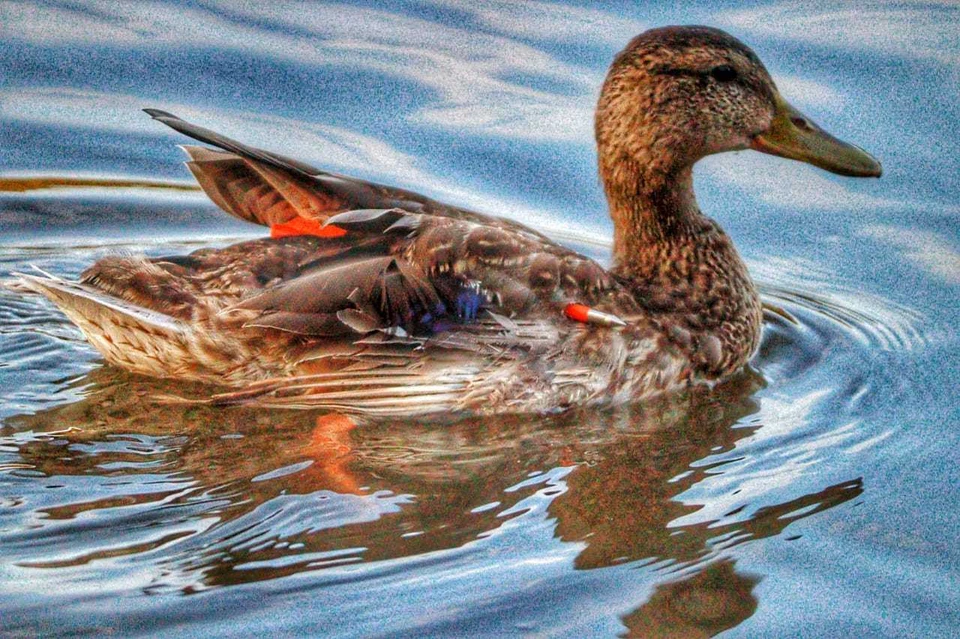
(723, 73)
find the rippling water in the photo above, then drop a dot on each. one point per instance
(815, 494)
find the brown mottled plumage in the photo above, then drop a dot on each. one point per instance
(395, 304)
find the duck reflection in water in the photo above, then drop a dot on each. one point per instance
(293, 492)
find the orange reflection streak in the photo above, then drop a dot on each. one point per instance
(40, 183)
(331, 449)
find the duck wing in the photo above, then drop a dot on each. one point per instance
(441, 256)
(421, 274)
(348, 296)
(267, 188)
(410, 306)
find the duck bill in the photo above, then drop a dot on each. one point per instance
(793, 135)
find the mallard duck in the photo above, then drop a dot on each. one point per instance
(375, 300)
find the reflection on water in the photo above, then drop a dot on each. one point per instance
(26, 183)
(809, 495)
(712, 600)
(403, 488)
(210, 497)
(215, 497)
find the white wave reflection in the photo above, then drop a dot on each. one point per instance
(333, 147)
(872, 320)
(463, 68)
(753, 479)
(329, 147)
(928, 250)
(549, 21)
(927, 30)
(792, 185)
(468, 73)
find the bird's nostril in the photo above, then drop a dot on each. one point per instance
(801, 123)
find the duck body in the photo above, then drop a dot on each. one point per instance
(405, 313)
(376, 300)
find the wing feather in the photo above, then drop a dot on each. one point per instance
(233, 184)
(360, 295)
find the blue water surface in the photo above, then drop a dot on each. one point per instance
(814, 495)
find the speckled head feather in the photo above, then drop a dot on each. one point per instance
(677, 94)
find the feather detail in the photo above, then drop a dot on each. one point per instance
(361, 295)
(128, 335)
(375, 220)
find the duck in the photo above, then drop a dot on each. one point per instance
(372, 300)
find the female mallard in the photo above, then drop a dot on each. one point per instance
(375, 300)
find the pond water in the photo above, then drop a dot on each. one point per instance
(815, 494)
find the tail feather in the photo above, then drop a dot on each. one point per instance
(228, 144)
(136, 338)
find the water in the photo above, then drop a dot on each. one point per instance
(814, 495)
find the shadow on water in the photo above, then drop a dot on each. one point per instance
(215, 497)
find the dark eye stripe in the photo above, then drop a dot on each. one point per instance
(678, 72)
(722, 73)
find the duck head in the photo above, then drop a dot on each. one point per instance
(677, 94)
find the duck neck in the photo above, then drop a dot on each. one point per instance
(681, 265)
(650, 211)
